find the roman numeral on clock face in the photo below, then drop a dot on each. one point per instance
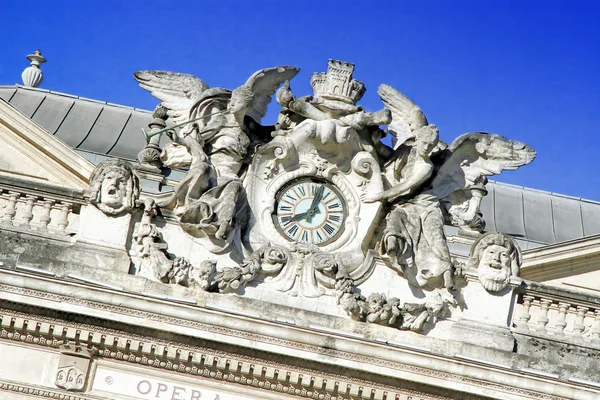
(334, 218)
(329, 229)
(305, 236)
(293, 230)
(319, 237)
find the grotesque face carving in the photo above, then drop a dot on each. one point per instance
(112, 190)
(497, 258)
(114, 187)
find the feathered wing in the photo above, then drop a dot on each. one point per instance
(407, 117)
(263, 84)
(474, 155)
(178, 92)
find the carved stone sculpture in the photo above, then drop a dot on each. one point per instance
(155, 264)
(74, 366)
(151, 250)
(217, 135)
(425, 177)
(302, 206)
(114, 187)
(149, 156)
(496, 257)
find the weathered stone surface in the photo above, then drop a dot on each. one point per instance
(305, 259)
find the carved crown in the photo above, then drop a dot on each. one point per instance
(337, 83)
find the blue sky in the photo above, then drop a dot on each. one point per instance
(529, 70)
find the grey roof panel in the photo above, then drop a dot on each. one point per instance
(52, 112)
(95, 126)
(567, 218)
(27, 101)
(537, 207)
(7, 92)
(132, 140)
(590, 213)
(509, 211)
(106, 130)
(78, 123)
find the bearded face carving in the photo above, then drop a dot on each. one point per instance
(496, 257)
(114, 187)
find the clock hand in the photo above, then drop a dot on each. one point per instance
(298, 217)
(314, 206)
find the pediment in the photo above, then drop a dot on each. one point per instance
(29, 152)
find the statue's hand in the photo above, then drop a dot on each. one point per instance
(284, 95)
(371, 197)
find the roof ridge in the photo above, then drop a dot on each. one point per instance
(71, 96)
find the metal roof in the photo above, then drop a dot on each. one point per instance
(84, 124)
(538, 217)
(98, 129)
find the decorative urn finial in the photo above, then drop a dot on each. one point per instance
(32, 76)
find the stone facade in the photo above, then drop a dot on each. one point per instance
(301, 260)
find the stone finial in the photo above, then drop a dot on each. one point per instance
(32, 76)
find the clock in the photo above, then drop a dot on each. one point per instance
(310, 211)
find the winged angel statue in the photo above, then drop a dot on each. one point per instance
(429, 182)
(218, 128)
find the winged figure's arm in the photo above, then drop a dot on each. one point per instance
(419, 174)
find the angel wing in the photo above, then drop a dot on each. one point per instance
(263, 84)
(178, 92)
(407, 117)
(474, 155)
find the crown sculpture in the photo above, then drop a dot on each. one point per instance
(316, 205)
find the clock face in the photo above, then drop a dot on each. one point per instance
(310, 211)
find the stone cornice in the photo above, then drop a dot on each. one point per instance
(561, 259)
(336, 350)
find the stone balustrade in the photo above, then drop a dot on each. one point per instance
(555, 313)
(39, 207)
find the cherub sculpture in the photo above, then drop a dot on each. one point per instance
(423, 177)
(220, 124)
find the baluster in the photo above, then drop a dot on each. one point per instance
(28, 214)
(11, 208)
(525, 316)
(45, 218)
(595, 331)
(542, 319)
(578, 327)
(63, 217)
(562, 318)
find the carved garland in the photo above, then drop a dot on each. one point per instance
(27, 337)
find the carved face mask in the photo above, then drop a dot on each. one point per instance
(494, 267)
(112, 189)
